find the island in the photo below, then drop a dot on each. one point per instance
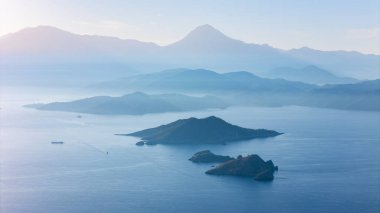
(140, 143)
(210, 130)
(249, 166)
(207, 156)
(137, 103)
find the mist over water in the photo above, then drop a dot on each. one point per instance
(328, 161)
(301, 77)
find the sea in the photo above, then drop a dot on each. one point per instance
(329, 161)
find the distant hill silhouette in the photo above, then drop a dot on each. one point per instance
(359, 96)
(244, 88)
(134, 104)
(309, 74)
(210, 130)
(51, 42)
(343, 63)
(202, 80)
(204, 47)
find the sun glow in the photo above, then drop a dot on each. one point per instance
(18, 14)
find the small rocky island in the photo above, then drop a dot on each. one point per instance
(249, 166)
(210, 130)
(140, 143)
(208, 157)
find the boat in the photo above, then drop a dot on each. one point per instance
(57, 142)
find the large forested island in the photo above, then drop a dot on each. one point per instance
(210, 130)
(137, 103)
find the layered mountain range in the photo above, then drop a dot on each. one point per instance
(48, 56)
(244, 88)
(204, 47)
(217, 90)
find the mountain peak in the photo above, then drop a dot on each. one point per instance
(206, 38)
(43, 30)
(205, 30)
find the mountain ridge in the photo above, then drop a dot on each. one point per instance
(204, 47)
(202, 80)
(309, 74)
(155, 44)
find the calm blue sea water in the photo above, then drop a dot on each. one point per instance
(329, 161)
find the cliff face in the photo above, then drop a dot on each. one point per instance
(249, 166)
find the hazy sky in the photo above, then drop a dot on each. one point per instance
(320, 24)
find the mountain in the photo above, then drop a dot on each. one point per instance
(204, 81)
(310, 74)
(206, 41)
(238, 88)
(244, 88)
(204, 47)
(134, 104)
(48, 56)
(45, 42)
(206, 38)
(364, 87)
(210, 130)
(359, 96)
(343, 63)
(207, 47)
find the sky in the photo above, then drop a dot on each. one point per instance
(286, 24)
